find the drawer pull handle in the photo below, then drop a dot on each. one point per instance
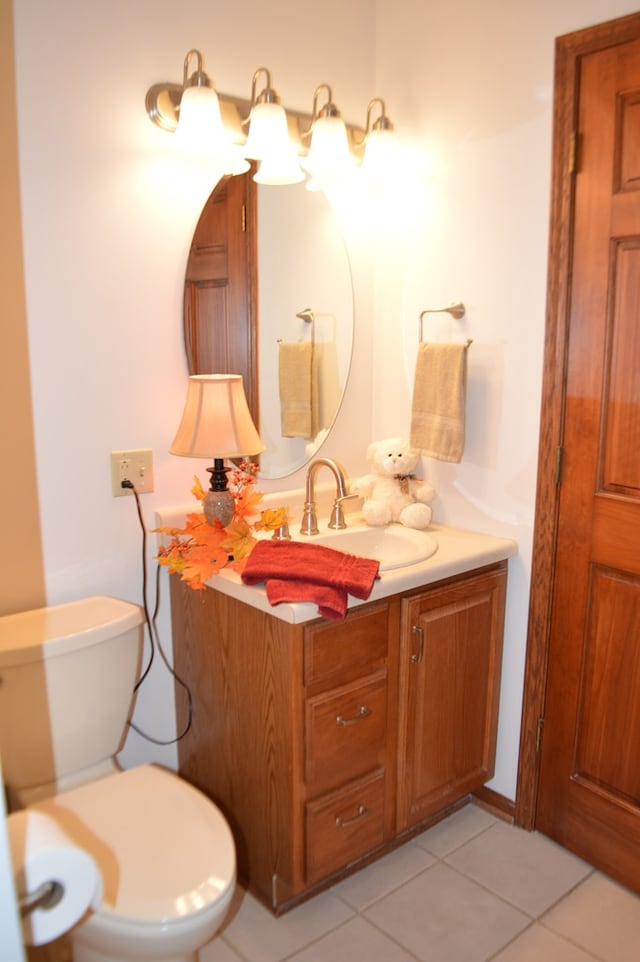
(344, 822)
(364, 712)
(419, 634)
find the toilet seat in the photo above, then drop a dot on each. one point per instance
(165, 852)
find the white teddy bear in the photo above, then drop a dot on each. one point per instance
(392, 492)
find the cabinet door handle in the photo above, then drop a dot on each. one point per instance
(418, 633)
(344, 822)
(362, 713)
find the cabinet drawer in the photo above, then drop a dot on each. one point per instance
(345, 733)
(344, 825)
(341, 651)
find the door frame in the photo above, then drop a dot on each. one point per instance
(569, 49)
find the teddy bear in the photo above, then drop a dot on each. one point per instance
(392, 492)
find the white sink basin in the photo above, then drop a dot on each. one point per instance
(393, 546)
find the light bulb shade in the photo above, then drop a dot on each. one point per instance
(381, 156)
(268, 131)
(279, 170)
(216, 422)
(329, 156)
(200, 128)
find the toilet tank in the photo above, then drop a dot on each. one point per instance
(67, 674)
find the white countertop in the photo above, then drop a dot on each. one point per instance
(458, 551)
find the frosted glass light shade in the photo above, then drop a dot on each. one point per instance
(268, 131)
(329, 156)
(381, 157)
(200, 129)
(279, 169)
(216, 422)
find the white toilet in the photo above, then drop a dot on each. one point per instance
(165, 852)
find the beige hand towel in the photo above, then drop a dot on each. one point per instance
(298, 385)
(439, 396)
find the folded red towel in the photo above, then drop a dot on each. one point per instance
(310, 567)
(331, 602)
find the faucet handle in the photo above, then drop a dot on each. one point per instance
(337, 521)
(282, 533)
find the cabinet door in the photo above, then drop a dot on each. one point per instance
(451, 650)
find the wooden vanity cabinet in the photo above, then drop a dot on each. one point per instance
(325, 742)
(450, 666)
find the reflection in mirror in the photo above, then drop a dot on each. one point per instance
(305, 299)
(244, 289)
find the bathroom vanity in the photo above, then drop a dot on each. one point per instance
(327, 743)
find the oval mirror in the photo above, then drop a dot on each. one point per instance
(268, 294)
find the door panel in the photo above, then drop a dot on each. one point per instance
(589, 787)
(219, 290)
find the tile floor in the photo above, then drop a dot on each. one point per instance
(470, 889)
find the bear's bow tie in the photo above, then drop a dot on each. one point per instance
(404, 481)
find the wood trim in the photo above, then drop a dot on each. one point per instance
(21, 569)
(499, 805)
(569, 51)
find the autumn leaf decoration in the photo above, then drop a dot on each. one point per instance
(200, 550)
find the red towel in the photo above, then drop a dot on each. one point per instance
(295, 571)
(331, 602)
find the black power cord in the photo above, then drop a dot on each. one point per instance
(152, 628)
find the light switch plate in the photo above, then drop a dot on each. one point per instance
(135, 466)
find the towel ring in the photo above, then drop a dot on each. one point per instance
(308, 317)
(457, 311)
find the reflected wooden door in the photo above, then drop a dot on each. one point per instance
(220, 311)
(589, 786)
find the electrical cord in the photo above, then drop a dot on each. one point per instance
(154, 637)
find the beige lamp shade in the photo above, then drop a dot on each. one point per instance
(216, 422)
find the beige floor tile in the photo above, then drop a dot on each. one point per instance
(537, 944)
(383, 876)
(259, 936)
(525, 868)
(441, 916)
(454, 831)
(602, 917)
(357, 939)
(218, 951)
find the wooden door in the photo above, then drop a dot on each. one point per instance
(220, 310)
(589, 781)
(451, 657)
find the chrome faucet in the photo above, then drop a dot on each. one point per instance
(309, 516)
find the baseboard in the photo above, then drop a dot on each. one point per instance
(499, 805)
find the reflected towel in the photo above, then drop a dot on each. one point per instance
(293, 571)
(439, 397)
(298, 386)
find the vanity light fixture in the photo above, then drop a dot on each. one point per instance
(281, 141)
(216, 423)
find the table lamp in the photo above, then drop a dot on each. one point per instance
(216, 423)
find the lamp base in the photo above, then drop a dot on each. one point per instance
(219, 504)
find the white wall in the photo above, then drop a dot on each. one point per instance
(108, 214)
(473, 85)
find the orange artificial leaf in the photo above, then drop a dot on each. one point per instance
(239, 540)
(271, 519)
(247, 502)
(197, 490)
(203, 562)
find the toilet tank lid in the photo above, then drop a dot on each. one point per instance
(28, 636)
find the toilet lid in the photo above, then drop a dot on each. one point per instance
(164, 850)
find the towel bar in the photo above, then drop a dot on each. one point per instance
(456, 310)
